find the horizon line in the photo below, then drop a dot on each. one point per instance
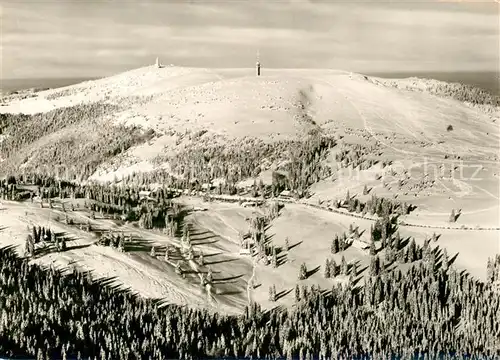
(93, 77)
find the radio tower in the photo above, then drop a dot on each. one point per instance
(257, 64)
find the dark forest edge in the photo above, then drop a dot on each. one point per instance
(58, 143)
(54, 316)
(63, 139)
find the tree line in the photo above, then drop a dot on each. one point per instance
(301, 161)
(429, 310)
(85, 139)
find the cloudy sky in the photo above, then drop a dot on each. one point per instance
(78, 38)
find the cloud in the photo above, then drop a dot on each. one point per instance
(96, 38)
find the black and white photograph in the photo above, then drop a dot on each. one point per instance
(238, 179)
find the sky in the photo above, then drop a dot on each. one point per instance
(92, 38)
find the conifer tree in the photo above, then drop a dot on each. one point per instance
(121, 244)
(452, 216)
(187, 237)
(334, 271)
(390, 256)
(297, 293)
(404, 208)
(412, 251)
(302, 271)
(35, 235)
(261, 188)
(397, 241)
(445, 260)
(431, 261)
(373, 250)
(29, 246)
(209, 275)
(272, 293)
(426, 250)
(401, 256)
(343, 242)
(39, 355)
(57, 244)
(383, 232)
(327, 269)
(490, 271)
(335, 247)
(344, 269)
(374, 266)
(354, 270)
(355, 234)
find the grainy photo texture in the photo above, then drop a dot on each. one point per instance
(282, 179)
